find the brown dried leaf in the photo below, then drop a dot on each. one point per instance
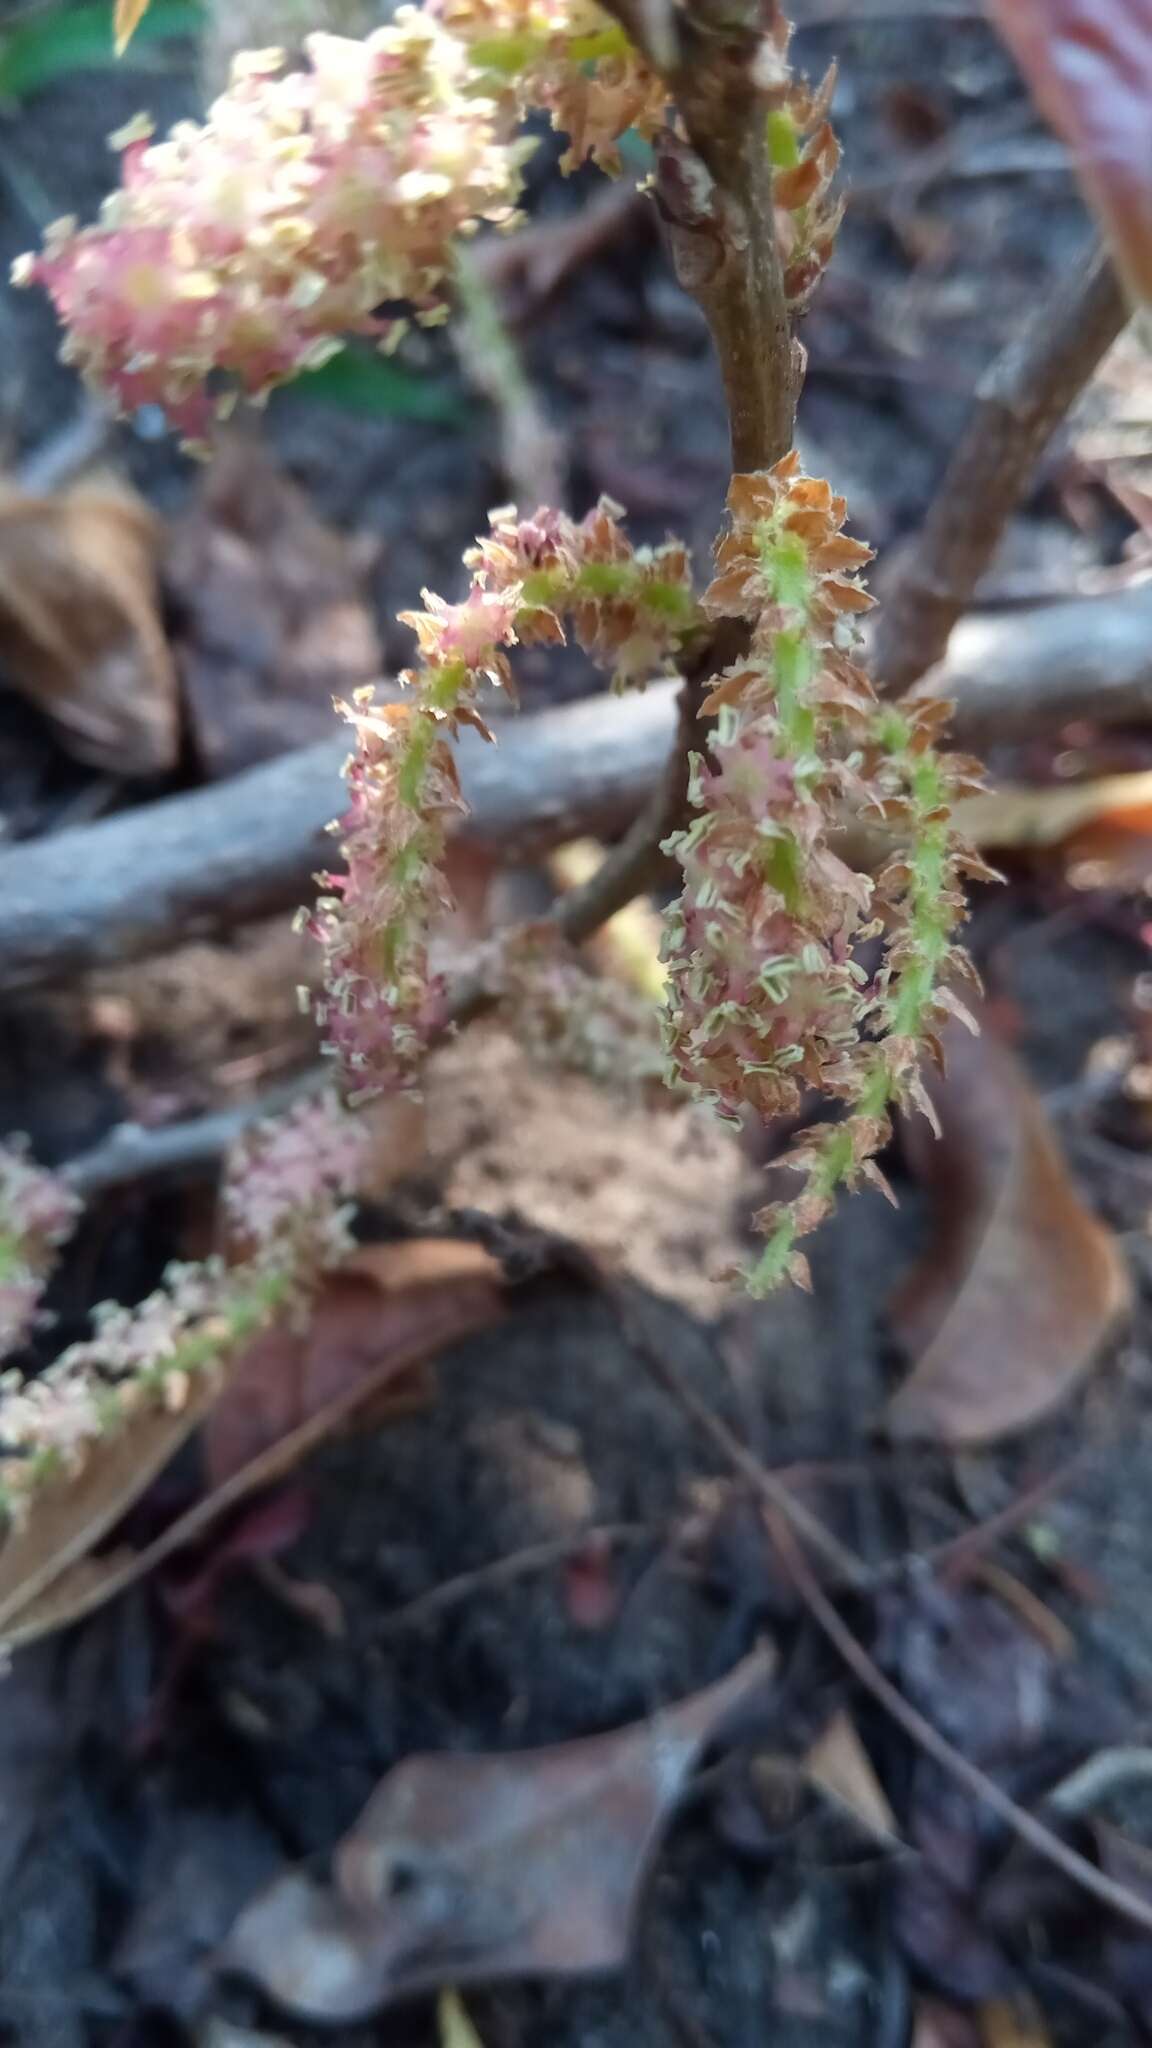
(384, 1298)
(287, 1394)
(840, 1766)
(1019, 1287)
(80, 630)
(1102, 829)
(73, 1512)
(271, 618)
(464, 1869)
(1089, 66)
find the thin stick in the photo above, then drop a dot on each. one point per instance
(636, 863)
(504, 1571)
(773, 1491)
(1020, 402)
(953, 1558)
(935, 1745)
(704, 52)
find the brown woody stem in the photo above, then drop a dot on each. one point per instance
(1020, 402)
(722, 233)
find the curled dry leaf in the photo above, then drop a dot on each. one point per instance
(1089, 66)
(364, 1340)
(464, 1869)
(1008, 1308)
(80, 629)
(839, 1765)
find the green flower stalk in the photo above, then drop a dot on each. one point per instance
(630, 610)
(768, 999)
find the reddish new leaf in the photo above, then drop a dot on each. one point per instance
(1009, 1306)
(1089, 66)
(463, 1869)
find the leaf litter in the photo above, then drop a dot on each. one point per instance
(1010, 1306)
(468, 1869)
(81, 633)
(370, 1327)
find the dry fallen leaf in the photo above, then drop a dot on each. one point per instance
(1089, 65)
(271, 620)
(1019, 1287)
(72, 1513)
(463, 1869)
(80, 628)
(1014, 815)
(1101, 830)
(289, 1391)
(384, 1297)
(840, 1766)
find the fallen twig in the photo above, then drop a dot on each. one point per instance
(154, 877)
(158, 876)
(953, 1558)
(142, 1152)
(505, 1571)
(773, 1491)
(929, 1739)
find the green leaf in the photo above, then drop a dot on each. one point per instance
(360, 380)
(53, 42)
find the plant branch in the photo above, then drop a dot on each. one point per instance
(636, 863)
(722, 233)
(1020, 403)
(718, 209)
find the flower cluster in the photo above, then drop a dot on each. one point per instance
(573, 1021)
(768, 996)
(287, 1192)
(630, 609)
(247, 249)
(286, 1196)
(38, 1212)
(568, 57)
(805, 158)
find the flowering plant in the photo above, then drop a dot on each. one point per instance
(321, 203)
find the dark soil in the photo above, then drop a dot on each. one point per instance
(134, 1831)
